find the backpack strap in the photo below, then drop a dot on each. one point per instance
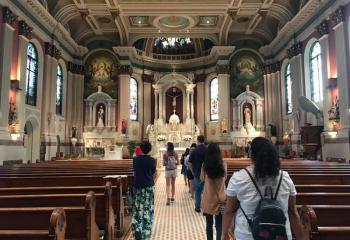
(256, 186)
(279, 185)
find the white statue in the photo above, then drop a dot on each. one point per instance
(247, 115)
(100, 115)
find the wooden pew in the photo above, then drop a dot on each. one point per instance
(46, 227)
(315, 228)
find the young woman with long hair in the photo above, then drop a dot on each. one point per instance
(213, 175)
(243, 196)
(170, 161)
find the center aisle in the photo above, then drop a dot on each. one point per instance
(179, 220)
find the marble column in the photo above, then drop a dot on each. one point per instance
(327, 98)
(200, 108)
(224, 97)
(161, 108)
(192, 105)
(188, 116)
(124, 95)
(343, 63)
(91, 120)
(6, 45)
(267, 119)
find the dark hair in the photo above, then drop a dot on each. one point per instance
(213, 162)
(193, 145)
(146, 147)
(265, 158)
(170, 147)
(200, 139)
(187, 151)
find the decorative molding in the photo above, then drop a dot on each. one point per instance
(322, 29)
(52, 50)
(24, 29)
(271, 68)
(222, 69)
(9, 17)
(76, 68)
(124, 70)
(147, 78)
(200, 78)
(295, 50)
(338, 16)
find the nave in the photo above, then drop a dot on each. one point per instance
(179, 220)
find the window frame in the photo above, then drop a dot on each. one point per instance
(59, 108)
(313, 80)
(137, 99)
(210, 98)
(288, 78)
(32, 100)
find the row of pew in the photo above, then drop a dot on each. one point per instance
(80, 199)
(323, 195)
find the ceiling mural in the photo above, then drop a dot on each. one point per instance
(122, 22)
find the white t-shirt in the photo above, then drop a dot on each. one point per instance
(242, 187)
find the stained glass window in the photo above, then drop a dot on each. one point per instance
(59, 90)
(288, 90)
(31, 75)
(316, 73)
(214, 99)
(133, 99)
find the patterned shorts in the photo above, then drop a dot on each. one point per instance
(142, 212)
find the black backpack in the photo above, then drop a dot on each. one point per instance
(269, 221)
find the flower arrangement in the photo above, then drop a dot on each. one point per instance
(161, 138)
(187, 138)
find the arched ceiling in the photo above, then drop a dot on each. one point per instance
(122, 22)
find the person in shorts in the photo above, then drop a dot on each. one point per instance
(170, 161)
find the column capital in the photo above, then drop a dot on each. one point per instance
(24, 29)
(322, 28)
(338, 16)
(76, 68)
(295, 50)
(222, 69)
(124, 70)
(190, 87)
(271, 68)
(9, 17)
(52, 50)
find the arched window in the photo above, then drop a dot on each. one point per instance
(288, 89)
(32, 75)
(59, 90)
(133, 99)
(214, 99)
(316, 72)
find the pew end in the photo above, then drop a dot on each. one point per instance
(58, 224)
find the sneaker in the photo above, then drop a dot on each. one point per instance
(172, 199)
(168, 202)
(198, 210)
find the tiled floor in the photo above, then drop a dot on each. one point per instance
(179, 220)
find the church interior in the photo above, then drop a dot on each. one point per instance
(83, 82)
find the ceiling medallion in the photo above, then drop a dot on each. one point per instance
(171, 23)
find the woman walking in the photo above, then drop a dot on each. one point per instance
(213, 175)
(170, 161)
(248, 187)
(143, 197)
(190, 176)
(184, 167)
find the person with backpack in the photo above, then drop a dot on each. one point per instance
(262, 199)
(213, 175)
(170, 161)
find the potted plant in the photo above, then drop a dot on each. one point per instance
(131, 147)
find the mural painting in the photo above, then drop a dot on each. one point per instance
(101, 69)
(246, 70)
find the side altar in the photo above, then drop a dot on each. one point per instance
(248, 119)
(100, 135)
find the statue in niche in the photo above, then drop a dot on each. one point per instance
(334, 111)
(247, 115)
(100, 115)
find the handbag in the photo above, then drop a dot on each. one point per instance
(222, 205)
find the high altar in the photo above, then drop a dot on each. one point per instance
(174, 113)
